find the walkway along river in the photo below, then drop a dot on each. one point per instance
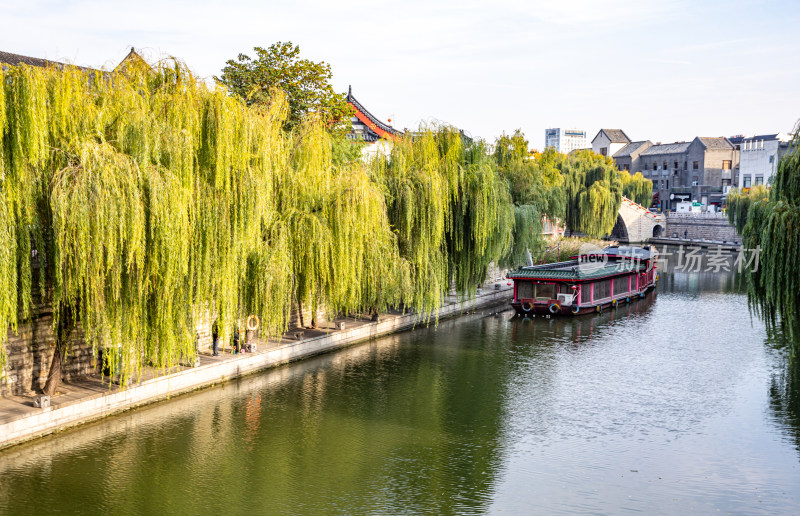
(675, 404)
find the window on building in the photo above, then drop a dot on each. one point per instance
(655, 166)
(667, 184)
(747, 182)
(759, 180)
(626, 167)
(604, 151)
(772, 159)
(695, 165)
(676, 165)
(726, 164)
(665, 165)
(647, 166)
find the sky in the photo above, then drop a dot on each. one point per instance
(660, 70)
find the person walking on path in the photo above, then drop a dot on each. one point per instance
(215, 339)
(236, 341)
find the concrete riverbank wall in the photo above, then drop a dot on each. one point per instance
(701, 226)
(23, 423)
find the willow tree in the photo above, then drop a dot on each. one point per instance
(773, 225)
(593, 193)
(637, 188)
(451, 211)
(738, 204)
(536, 187)
(143, 196)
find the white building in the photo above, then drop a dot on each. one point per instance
(565, 140)
(609, 141)
(759, 156)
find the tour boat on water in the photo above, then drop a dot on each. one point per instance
(586, 283)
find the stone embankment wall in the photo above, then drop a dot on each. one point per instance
(30, 352)
(701, 226)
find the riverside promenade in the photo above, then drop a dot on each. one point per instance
(93, 398)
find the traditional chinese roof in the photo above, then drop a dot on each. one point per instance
(9, 59)
(571, 270)
(616, 260)
(375, 129)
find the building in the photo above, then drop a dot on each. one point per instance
(564, 140)
(663, 165)
(610, 141)
(700, 170)
(629, 157)
(365, 126)
(8, 59)
(759, 158)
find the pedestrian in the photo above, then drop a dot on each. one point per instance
(685, 234)
(215, 339)
(236, 340)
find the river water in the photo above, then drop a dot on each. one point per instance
(679, 403)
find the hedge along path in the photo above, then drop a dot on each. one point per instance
(138, 202)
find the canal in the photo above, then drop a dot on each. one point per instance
(678, 403)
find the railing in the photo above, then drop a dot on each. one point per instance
(697, 215)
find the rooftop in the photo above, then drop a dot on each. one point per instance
(719, 143)
(666, 148)
(615, 135)
(630, 149)
(573, 270)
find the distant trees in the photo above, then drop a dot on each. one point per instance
(305, 84)
(593, 188)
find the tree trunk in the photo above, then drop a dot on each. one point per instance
(300, 313)
(54, 375)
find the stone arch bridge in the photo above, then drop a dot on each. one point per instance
(636, 223)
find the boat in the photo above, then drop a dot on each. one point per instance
(589, 282)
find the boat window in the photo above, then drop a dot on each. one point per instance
(525, 290)
(545, 291)
(602, 289)
(586, 293)
(621, 285)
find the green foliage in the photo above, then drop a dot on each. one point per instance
(739, 202)
(773, 223)
(637, 188)
(593, 193)
(306, 84)
(150, 201)
(566, 247)
(451, 210)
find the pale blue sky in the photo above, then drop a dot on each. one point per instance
(660, 70)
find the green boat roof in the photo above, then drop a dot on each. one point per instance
(570, 270)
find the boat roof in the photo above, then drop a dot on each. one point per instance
(630, 251)
(572, 270)
(627, 259)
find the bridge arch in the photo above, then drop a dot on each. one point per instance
(636, 223)
(658, 231)
(620, 231)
